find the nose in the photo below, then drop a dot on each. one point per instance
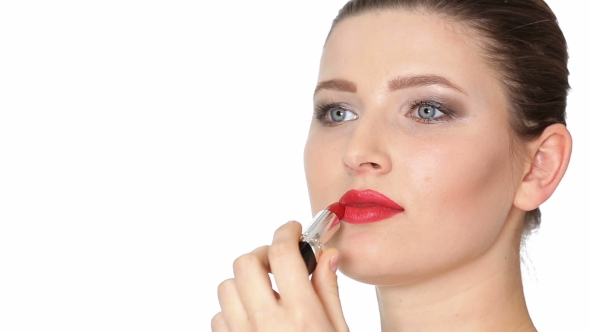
(367, 151)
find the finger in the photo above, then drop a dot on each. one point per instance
(262, 254)
(288, 267)
(324, 281)
(218, 323)
(253, 282)
(232, 309)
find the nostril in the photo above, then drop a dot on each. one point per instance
(375, 166)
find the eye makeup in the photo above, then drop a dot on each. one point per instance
(327, 113)
(423, 105)
(430, 106)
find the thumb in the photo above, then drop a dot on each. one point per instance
(325, 283)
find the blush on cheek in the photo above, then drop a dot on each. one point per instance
(459, 179)
(474, 179)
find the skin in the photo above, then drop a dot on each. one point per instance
(450, 261)
(456, 178)
(444, 173)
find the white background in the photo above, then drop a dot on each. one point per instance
(144, 145)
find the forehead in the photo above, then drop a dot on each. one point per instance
(375, 46)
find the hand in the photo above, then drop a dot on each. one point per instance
(248, 302)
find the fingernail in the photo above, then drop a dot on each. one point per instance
(334, 261)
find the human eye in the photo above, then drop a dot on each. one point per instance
(334, 113)
(429, 111)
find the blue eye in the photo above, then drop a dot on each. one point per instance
(428, 111)
(340, 115)
(334, 113)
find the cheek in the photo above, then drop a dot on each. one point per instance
(456, 201)
(321, 171)
(461, 187)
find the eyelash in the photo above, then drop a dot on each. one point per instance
(321, 111)
(448, 112)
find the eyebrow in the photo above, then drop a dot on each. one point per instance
(405, 82)
(398, 83)
(336, 84)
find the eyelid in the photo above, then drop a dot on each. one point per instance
(447, 111)
(321, 111)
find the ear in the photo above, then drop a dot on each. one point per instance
(549, 157)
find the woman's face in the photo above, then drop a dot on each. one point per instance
(409, 108)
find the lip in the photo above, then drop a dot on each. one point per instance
(367, 206)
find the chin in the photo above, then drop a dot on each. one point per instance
(374, 272)
(366, 260)
(392, 260)
(364, 275)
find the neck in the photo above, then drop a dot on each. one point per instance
(484, 294)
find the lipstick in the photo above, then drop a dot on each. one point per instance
(322, 228)
(367, 206)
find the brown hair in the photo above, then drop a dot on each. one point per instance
(522, 41)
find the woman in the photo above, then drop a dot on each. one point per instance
(452, 114)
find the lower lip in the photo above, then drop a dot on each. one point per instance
(364, 214)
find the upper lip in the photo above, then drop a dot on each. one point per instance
(368, 197)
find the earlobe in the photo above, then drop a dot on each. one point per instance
(550, 158)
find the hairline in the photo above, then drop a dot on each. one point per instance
(482, 43)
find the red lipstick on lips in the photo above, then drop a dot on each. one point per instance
(366, 206)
